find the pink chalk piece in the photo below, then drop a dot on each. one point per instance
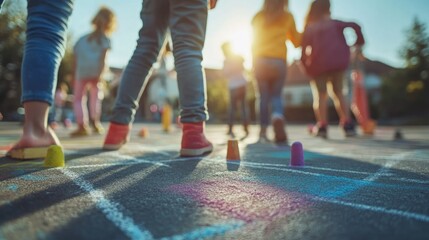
(297, 155)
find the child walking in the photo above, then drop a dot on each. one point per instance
(325, 57)
(272, 26)
(186, 20)
(233, 70)
(90, 53)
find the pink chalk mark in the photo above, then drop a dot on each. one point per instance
(243, 200)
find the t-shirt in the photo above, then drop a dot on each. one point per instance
(88, 54)
(233, 71)
(269, 40)
(324, 47)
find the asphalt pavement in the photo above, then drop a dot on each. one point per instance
(366, 187)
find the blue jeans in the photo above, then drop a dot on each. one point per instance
(270, 74)
(47, 24)
(238, 99)
(186, 20)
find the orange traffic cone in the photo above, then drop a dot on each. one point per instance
(359, 104)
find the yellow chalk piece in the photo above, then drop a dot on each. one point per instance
(54, 157)
(166, 117)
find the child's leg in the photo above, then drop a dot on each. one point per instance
(277, 117)
(243, 106)
(336, 93)
(80, 103)
(277, 88)
(264, 96)
(320, 99)
(232, 108)
(188, 21)
(96, 95)
(44, 49)
(188, 27)
(154, 15)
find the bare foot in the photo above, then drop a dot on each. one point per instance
(36, 133)
(30, 139)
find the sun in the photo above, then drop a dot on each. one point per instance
(241, 42)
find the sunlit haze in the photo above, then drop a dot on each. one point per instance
(383, 23)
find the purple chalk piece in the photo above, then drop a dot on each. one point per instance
(296, 155)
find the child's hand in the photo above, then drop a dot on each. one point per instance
(212, 4)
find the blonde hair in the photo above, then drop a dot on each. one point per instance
(273, 9)
(104, 20)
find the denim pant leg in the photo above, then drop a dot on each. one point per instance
(277, 88)
(232, 105)
(270, 89)
(264, 97)
(188, 22)
(47, 24)
(243, 105)
(154, 15)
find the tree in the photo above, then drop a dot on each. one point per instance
(406, 91)
(12, 35)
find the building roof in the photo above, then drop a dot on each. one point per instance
(297, 76)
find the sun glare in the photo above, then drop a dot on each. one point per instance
(241, 42)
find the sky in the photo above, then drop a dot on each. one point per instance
(384, 24)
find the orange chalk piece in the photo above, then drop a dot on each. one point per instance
(144, 132)
(233, 152)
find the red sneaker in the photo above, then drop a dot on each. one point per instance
(117, 135)
(194, 143)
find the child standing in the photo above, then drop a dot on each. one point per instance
(186, 21)
(47, 24)
(272, 26)
(325, 57)
(90, 56)
(59, 102)
(233, 70)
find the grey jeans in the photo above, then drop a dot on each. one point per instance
(186, 20)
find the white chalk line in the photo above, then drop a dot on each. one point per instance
(383, 173)
(392, 161)
(109, 208)
(411, 215)
(310, 167)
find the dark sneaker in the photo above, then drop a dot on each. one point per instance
(319, 130)
(246, 129)
(279, 130)
(349, 129)
(194, 142)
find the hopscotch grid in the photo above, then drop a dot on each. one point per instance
(113, 214)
